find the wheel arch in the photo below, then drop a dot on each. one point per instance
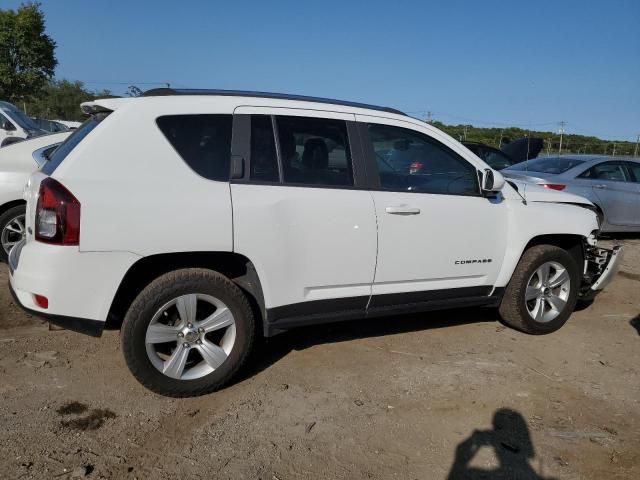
(13, 203)
(572, 242)
(238, 268)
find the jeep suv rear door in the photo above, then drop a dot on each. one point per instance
(299, 215)
(438, 237)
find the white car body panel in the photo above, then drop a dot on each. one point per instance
(17, 164)
(139, 198)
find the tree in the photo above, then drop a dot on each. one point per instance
(27, 53)
(61, 99)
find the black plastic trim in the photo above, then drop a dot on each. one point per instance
(286, 317)
(89, 327)
(163, 92)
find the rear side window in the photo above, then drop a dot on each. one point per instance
(203, 142)
(314, 151)
(612, 171)
(635, 170)
(60, 153)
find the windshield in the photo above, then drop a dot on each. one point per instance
(21, 119)
(553, 165)
(60, 153)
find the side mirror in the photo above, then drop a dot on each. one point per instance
(8, 126)
(492, 181)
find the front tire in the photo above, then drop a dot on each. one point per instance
(542, 292)
(188, 333)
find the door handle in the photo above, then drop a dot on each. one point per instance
(403, 210)
(600, 186)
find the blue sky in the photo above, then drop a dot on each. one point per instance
(480, 62)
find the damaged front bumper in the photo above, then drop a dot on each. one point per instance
(600, 267)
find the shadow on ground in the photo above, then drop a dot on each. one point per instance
(271, 350)
(635, 323)
(511, 443)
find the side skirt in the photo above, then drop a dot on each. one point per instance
(287, 317)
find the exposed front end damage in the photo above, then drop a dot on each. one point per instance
(600, 267)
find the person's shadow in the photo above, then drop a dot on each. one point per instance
(511, 443)
(635, 323)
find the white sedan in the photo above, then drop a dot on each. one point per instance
(17, 162)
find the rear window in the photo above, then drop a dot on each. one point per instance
(554, 165)
(203, 142)
(60, 153)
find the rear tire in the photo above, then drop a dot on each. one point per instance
(539, 303)
(188, 333)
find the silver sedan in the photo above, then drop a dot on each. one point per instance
(612, 184)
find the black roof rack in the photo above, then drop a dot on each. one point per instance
(161, 92)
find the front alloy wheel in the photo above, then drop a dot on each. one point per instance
(543, 290)
(547, 292)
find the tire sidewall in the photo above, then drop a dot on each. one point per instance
(142, 310)
(5, 218)
(566, 260)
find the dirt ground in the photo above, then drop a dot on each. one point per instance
(422, 397)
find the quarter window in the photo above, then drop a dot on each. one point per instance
(611, 171)
(410, 161)
(314, 151)
(635, 170)
(203, 142)
(264, 162)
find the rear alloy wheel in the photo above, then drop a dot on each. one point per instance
(542, 292)
(188, 333)
(12, 229)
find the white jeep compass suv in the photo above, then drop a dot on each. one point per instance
(197, 220)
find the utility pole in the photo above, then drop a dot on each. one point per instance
(635, 152)
(548, 147)
(465, 132)
(562, 124)
(429, 118)
(501, 134)
(614, 150)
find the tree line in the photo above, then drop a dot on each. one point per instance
(571, 143)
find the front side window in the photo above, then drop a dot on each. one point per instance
(203, 142)
(612, 171)
(264, 162)
(410, 161)
(314, 151)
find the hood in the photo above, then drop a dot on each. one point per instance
(535, 193)
(523, 148)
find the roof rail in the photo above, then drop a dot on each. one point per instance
(162, 92)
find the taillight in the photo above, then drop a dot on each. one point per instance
(554, 186)
(57, 214)
(415, 167)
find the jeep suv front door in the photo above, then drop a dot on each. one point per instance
(438, 237)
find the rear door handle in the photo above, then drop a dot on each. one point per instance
(403, 210)
(600, 186)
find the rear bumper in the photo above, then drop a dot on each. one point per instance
(79, 286)
(93, 328)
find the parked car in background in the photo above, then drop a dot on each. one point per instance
(511, 153)
(15, 125)
(70, 124)
(612, 184)
(51, 126)
(17, 162)
(322, 229)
